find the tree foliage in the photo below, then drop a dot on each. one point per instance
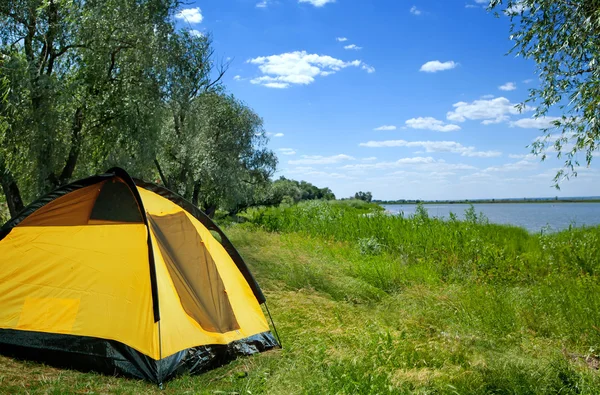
(365, 196)
(96, 84)
(563, 38)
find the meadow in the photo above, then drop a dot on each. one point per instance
(368, 303)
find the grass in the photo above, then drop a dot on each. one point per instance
(371, 304)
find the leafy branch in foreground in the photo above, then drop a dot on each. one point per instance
(563, 38)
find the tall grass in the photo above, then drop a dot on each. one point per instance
(470, 250)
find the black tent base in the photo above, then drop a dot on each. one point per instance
(88, 354)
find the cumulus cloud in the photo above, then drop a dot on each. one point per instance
(317, 3)
(190, 15)
(516, 9)
(196, 33)
(434, 146)
(434, 66)
(523, 156)
(429, 123)
(509, 86)
(237, 78)
(261, 4)
(367, 68)
(321, 160)
(353, 46)
(341, 39)
(417, 163)
(535, 123)
(287, 151)
(298, 68)
(386, 127)
(414, 10)
(515, 166)
(489, 111)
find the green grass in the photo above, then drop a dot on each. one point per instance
(371, 304)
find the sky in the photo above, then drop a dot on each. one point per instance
(405, 99)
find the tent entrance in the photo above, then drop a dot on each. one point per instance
(194, 273)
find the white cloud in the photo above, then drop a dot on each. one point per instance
(196, 33)
(434, 146)
(482, 1)
(516, 9)
(429, 123)
(417, 163)
(237, 78)
(515, 166)
(367, 68)
(535, 123)
(320, 160)
(278, 135)
(317, 3)
(523, 156)
(489, 111)
(353, 46)
(528, 81)
(509, 86)
(341, 39)
(369, 159)
(310, 171)
(434, 66)
(471, 6)
(287, 151)
(414, 10)
(190, 15)
(386, 127)
(487, 96)
(262, 4)
(299, 68)
(276, 85)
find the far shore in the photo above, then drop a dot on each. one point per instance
(489, 201)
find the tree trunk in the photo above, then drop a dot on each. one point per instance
(210, 210)
(11, 191)
(69, 168)
(163, 178)
(196, 193)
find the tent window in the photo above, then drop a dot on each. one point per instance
(71, 209)
(193, 272)
(116, 203)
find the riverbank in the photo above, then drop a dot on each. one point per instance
(366, 303)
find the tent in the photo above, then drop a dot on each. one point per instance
(122, 276)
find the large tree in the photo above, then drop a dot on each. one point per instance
(218, 157)
(563, 38)
(84, 88)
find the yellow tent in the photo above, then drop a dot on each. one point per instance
(123, 276)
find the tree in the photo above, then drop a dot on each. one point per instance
(563, 38)
(366, 196)
(219, 156)
(84, 89)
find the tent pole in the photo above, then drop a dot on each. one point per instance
(273, 323)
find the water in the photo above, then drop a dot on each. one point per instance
(531, 216)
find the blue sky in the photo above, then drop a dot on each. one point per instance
(406, 99)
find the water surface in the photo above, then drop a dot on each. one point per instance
(531, 216)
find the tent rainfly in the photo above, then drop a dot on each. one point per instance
(122, 276)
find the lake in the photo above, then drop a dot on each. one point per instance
(531, 216)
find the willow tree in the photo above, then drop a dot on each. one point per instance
(563, 38)
(212, 147)
(85, 90)
(220, 156)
